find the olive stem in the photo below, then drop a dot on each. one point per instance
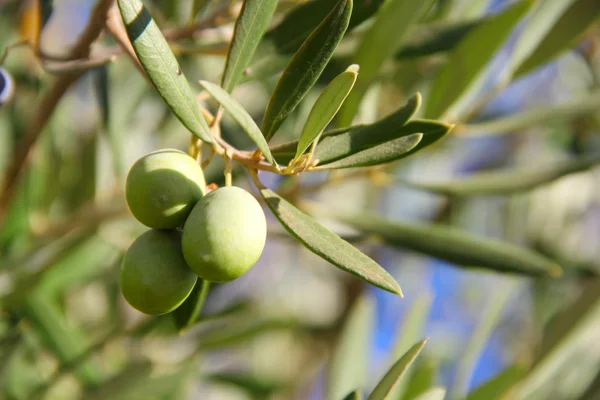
(228, 168)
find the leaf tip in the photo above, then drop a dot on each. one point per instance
(353, 68)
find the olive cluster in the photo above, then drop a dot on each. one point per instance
(217, 237)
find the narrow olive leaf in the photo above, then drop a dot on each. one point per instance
(563, 35)
(435, 393)
(255, 386)
(579, 106)
(455, 246)
(466, 64)
(376, 155)
(509, 181)
(344, 146)
(325, 108)
(66, 342)
(328, 245)
(498, 385)
(306, 66)
(410, 330)
(241, 116)
(488, 319)
(188, 312)
(434, 38)
(418, 379)
(198, 6)
(393, 23)
(296, 25)
(161, 66)
(218, 339)
(569, 336)
(249, 28)
(348, 365)
(355, 395)
(384, 387)
(542, 18)
(356, 138)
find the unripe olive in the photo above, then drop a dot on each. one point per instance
(154, 277)
(163, 187)
(224, 235)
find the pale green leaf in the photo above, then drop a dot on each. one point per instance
(540, 22)
(582, 105)
(325, 108)
(564, 34)
(237, 111)
(498, 385)
(435, 393)
(455, 246)
(393, 23)
(347, 367)
(328, 245)
(569, 336)
(467, 63)
(488, 319)
(384, 388)
(410, 330)
(250, 26)
(306, 66)
(162, 67)
(509, 181)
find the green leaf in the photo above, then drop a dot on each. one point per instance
(198, 6)
(66, 342)
(325, 108)
(339, 144)
(411, 329)
(328, 245)
(488, 320)
(347, 367)
(188, 312)
(466, 64)
(384, 388)
(220, 339)
(162, 68)
(393, 23)
(569, 336)
(241, 116)
(356, 141)
(355, 395)
(249, 28)
(540, 22)
(380, 154)
(509, 181)
(517, 122)
(439, 37)
(306, 66)
(257, 387)
(435, 393)
(297, 24)
(419, 378)
(138, 381)
(564, 34)
(455, 246)
(498, 385)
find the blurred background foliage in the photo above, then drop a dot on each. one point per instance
(520, 81)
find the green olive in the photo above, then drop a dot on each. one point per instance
(224, 235)
(163, 187)
(154, 277)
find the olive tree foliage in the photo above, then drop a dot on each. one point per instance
(295, 102)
